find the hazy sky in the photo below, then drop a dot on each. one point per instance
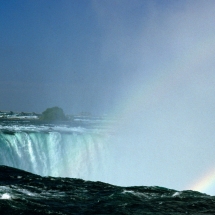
(151, 62)
(93, 55)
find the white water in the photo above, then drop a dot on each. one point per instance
(78, 153)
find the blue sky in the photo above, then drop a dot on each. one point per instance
(50, 54)
(72, 53)
(80, 55)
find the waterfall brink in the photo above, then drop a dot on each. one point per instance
(77, 155)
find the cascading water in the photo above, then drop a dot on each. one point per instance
(76, 153)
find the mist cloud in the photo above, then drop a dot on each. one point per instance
(164, 60)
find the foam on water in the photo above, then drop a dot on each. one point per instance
(41, 128)
(5, 196)
(138, 194)
(5, 192)
(176, 194)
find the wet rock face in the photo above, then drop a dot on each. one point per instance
(25, 193)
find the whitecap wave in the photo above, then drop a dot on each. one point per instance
(6, 196)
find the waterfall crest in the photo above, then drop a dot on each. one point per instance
(77, 155)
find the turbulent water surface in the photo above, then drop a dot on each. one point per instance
(26, 193)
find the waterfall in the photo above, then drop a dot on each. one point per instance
(78, 155)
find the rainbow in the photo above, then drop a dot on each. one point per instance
(143, 96)
(205, 183)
